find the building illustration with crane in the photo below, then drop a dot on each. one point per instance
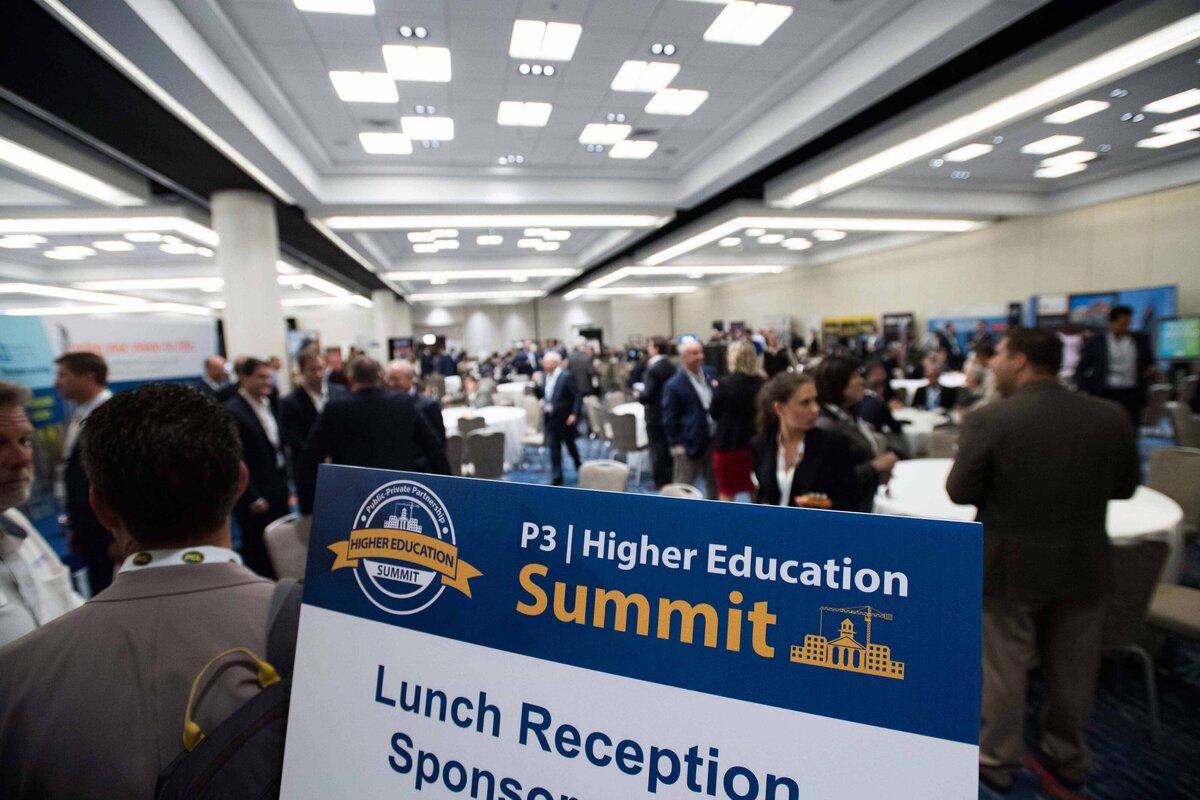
(847, 653)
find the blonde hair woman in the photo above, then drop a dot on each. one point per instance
(733, 409)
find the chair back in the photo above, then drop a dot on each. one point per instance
(533, 411)
(681, 490)
(454, 453)
(1136, 568)
(468, 424)
(943, 442)
(286, 540)
(613, 399)
(436, 384)
(1175, 471)
(1187, 389)
(485, 451)
(1156, 401)
(608, 476)
(624, 432)
(1183, 422)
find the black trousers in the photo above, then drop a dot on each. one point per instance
(1132, 400)
(559, 433)
(662, 465)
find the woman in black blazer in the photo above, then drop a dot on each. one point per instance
(733, 409)
(818, 460)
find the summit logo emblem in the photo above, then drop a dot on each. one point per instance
(403, 549)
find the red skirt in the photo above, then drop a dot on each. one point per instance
(733, 468)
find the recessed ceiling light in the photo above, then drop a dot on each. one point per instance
(489, 240)
(529, 115)
(546, 247)
(380, 143)
(614, 117)
(511, 159)
(1119, 93)
(676, 102)
(364, 87)
(425, 248)
(595, 148)
(644, 76)
(771, 238)
(365, 8)
(207, 252)
(548, 41)
(407, 62)
(433, 128)
(75, 180)
(755, 232)
(408, 31)
(1073, 157)
(1182, 124)
(828, 235)
(1176, 102)
(1168, 139)
(960, 175)
(171, 239)
(528, 244)
(519, 278)
(439, 281)
(796, 243)
(729, 241)
(1076, 112)
(1059, 171)
(1129, 116)
(140, 236)
(1051, 144)
(178, 249)
(114, 246)
(967, 152)
(556, 236)
(633, 148)
(421, 237)
(660, 49)
(744, 22)
(66, 254)
(21, 241)
(936, 162)
(600, 133)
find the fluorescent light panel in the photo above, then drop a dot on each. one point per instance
(1182, 124)
(64, 293)
(676, 102)
(364, 87)
(489, 240)
(517, 221)
(481, 274)
(1078, 111)
(1059, 170)
(523, 114)
(1051, 144)
(969, 151)
(25, 241)
(644, 76)
(380, 143)
(600, 133)
(1168, 139)
(365, 8)
(440, 129)
(544, 41)
(53, 171)
(747, 23)
(1176, 102)
(417, 63)
(145, 308)
(301, 302)
(1073, 157)
(633, 149)
(1068, 83)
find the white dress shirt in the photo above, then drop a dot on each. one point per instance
(82, 412)
(784, 474)
(262, 410)
(1122, 362)
(319, 398)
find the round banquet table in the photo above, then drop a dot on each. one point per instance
(514, 389)
(918, 489)
(639, 412)
(919, 424)
(951, 380)
(508, 420)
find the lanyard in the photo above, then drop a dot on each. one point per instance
(205, 554)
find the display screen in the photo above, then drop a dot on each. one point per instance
(1179, 339)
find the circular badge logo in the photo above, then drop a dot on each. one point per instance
(402, 549)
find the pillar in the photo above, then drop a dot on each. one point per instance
(249, 248)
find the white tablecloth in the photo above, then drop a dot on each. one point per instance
(639, 412)
(918, 489)
(508, 420)
(515, 389)
(951, 380)
(920, 424)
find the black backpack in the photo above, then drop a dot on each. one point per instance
(242, 759)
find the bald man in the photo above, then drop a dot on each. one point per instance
(401, 377)
(215, 377)
(561, 400)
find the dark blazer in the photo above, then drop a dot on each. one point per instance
(208, 391)
(267, 481)
(875, 411)
(566, 401)
(684, 418)
(583, 367)
(946, 400)
(654, 379)
(826, 468)
(734, 408)
(776, 362)
(1041, 467)
(89, 534)
(297, 415)
(369, 428)
(861, 456)
(1091, 374)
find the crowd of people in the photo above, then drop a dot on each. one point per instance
(153, 476)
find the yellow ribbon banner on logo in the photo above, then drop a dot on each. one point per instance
(424, 551)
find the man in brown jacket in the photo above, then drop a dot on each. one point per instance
(92, 703)
(1041, 465)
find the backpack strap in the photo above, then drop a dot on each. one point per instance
(283, 625)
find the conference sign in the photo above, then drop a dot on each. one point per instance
(484, 639)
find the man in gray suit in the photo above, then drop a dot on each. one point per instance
(1041, 465)
(92, 703)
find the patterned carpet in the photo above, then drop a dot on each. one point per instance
(1128, 766)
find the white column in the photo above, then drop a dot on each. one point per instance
(254, 322)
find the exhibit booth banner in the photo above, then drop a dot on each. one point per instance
(488, 639)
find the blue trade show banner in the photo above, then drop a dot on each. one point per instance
(486, 639)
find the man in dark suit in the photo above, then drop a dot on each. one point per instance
(298, 411)
(948, 344)
(401, 377)
(82, 379)
(527, 359)
(933, 396)
(371, 427)
(561, 400)
(214, 379)
(582, 365)
(266, 496)
(687, 397)
(659, 370)
(1041, 466)
(1118, 365)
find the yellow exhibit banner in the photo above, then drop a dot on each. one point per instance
(413, 548)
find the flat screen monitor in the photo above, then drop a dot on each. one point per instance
(1179, 339)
